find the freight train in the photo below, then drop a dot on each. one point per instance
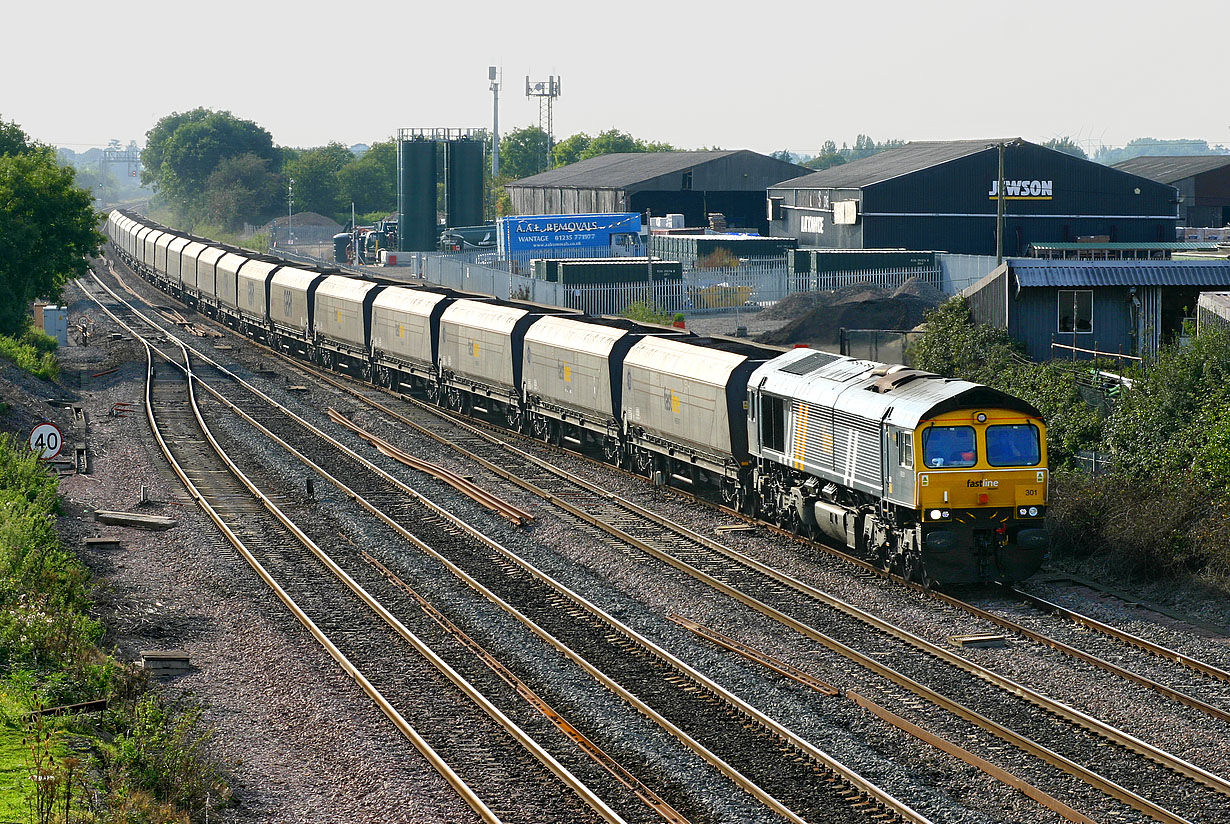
(941, 480)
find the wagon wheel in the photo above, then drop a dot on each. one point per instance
(540, 428)
(433, 392)
(611, 451)
(512, 416)
(730, 492)
(643, 463)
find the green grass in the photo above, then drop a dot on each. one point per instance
(14, 775)
(29, 355)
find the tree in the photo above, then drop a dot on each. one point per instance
(1066, 145)
(613, 141)
(183, 150)
(315, 172)
(13, 140)
(1151, 146)
(570, 150)
(523, 152)
(370, 181)
(47, 230)
(242, 188)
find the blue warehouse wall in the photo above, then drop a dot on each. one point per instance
(1033, 320)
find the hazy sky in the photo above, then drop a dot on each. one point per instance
(762, 76)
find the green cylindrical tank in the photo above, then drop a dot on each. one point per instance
(416, 195)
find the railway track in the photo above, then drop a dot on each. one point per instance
(714, 564)
(600, 509)
(787, 774)
(394, 667)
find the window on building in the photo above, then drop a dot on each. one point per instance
(1076, 310)
(687, 181)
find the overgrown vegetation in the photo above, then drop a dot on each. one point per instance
(143, 758)
(33, 352)
(646, 311)
(1163, 508)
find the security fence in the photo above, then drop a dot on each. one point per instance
(698, 291)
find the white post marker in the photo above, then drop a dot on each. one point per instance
(47, 440)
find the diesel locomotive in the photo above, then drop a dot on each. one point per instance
(941, 480)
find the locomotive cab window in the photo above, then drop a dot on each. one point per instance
(1013, 445)
(773, 423)
(1076, 310)
(945, 446)
(905, 450)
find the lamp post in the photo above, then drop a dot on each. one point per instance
(290, 208)
(494, 75)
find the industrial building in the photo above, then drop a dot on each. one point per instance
(1076, 308)
(1203, 184)
(945, 195)
(693, 184)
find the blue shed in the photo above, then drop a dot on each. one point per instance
(1088, 308)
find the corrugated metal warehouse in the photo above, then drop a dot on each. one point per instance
(1111, 307)
(943, 196)
(689, 183)
(1203, 184)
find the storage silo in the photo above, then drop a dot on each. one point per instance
(416, 195)
(465, 182)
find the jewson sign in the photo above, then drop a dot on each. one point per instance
(610, 234)
(1023, 189)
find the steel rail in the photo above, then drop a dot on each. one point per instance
(857, 782)
(1122, 635)
(1062, 710)
(1059, 709)
(559, 770)
(1071, 715)
(463, 790)
(749, 786)
(513, 513)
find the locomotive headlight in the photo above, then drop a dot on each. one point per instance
(935, 515)
(1033, 512)
(981, 417)
(1022, 512)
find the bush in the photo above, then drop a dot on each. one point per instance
(1139, 529)
(162, 754)
(28, 358)
(40, 340)
(644, 311)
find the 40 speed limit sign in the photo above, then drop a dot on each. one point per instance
(46, 440)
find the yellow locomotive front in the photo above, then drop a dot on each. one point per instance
(980, 492)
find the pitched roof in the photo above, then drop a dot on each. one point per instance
(1168, 169)
(616, 171)
(1032, 272)
(911, 157)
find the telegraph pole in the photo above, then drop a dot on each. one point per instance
(999, 210)
(290, 208)
(999, 199)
